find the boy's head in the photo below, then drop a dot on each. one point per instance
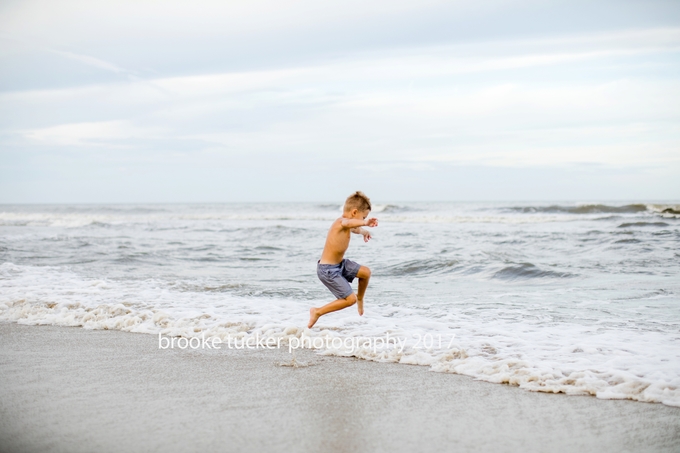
(358, 202)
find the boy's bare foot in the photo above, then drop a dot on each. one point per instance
(313, 317)
(360, 306)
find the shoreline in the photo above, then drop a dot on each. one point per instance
(71, 390)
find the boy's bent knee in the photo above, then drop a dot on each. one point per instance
(364, 272)
(351, 299)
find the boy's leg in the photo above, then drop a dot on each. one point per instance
(364, 275)
(316, 313)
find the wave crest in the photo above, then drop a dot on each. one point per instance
(421, 267)
(557, 356)
(526, 271)
(642, 224)
(582, 209)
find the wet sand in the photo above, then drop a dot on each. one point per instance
(73, 390)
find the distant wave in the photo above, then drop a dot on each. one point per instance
(628, 241)
(443, 266)
(420, 267)
(392, 208)
(526, 271)
(151, 220)
(665, 210)
(582, 209)
(642, 224)
(375, 207)
(330, 206)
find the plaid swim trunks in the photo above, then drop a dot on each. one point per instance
(337, 277)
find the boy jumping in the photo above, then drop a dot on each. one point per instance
(336, 272)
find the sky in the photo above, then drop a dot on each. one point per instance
(263, 100)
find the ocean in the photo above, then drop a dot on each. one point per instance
(578, 298)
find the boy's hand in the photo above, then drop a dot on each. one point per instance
(372, 222)
(367, 235)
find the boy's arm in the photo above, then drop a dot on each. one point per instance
(363, 232)
(355, 223)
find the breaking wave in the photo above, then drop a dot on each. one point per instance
(421, 267)
(663, 210)
(555, 358)
(527, 270)
(435, 266)
(643, 224)
(389, 208)
(583, 209)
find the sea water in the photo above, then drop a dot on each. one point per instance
(571, 297)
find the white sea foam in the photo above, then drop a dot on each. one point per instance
(432, 213)
(419, 213)
(75, 220)
(537, 355)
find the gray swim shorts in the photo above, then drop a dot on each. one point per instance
(337, 277)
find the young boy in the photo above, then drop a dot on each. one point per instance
(336, 272)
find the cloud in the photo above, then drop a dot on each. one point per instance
(71, 22)
(92, 134)
(91, 61)
(413, 63)
(559, 101)
(613, 123)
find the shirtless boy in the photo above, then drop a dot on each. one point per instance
(336, 272)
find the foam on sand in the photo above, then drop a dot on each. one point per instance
(547, 357)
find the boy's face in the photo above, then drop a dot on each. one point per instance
(356, 214)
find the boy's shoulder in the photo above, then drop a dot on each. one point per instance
(337, 223)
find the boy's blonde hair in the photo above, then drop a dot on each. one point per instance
(358, 200)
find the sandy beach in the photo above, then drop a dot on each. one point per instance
(446, 226)
(75, 390)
